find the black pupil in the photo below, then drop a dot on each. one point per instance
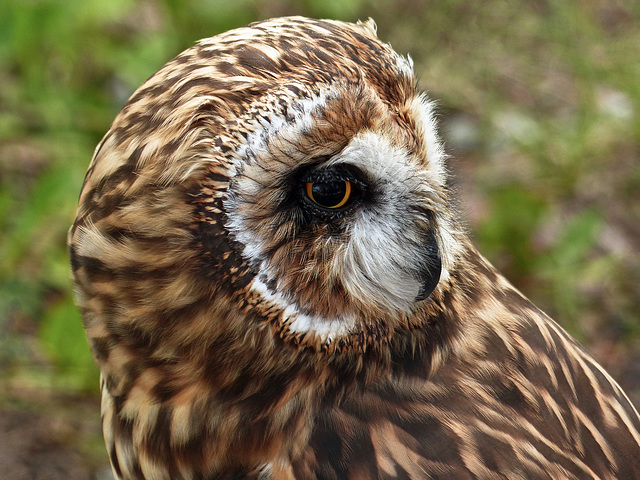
(329, 194)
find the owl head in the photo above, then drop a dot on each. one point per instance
(283, 177)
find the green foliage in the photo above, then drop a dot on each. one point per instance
(507, 233)
(567, 265)
(63, 338)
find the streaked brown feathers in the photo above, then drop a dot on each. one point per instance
(244, 332)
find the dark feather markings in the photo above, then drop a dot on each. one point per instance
(203, 374)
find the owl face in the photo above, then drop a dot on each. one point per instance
(286, 173)
(337, 208)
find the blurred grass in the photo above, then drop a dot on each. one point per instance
(540, 106)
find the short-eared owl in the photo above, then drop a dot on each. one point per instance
(275, 285)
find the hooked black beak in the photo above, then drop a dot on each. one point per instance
(432, 268)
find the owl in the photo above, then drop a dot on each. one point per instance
(275, 284)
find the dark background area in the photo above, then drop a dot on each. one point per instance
(539, 103)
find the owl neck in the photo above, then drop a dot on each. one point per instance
(197, 402)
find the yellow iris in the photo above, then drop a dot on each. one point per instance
(329, 194)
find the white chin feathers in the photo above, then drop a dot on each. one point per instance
(326, 329)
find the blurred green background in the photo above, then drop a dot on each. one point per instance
(539, 103)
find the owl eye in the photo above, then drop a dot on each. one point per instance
(329, 194)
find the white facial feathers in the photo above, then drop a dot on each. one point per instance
(375, 258)
(381, 256)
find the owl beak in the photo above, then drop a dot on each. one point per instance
(432, 268)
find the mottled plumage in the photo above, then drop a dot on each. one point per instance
(275, 285)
